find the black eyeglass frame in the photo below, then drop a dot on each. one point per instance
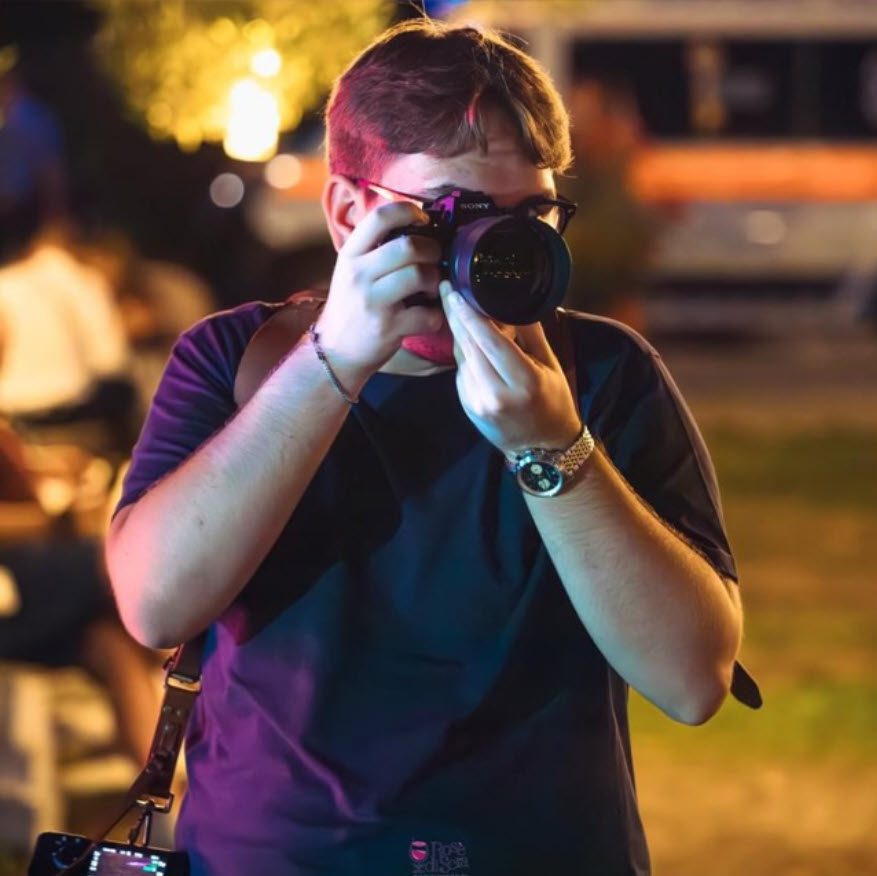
(566, 207)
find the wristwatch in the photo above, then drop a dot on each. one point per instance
(543, 472)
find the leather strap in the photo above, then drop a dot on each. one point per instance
(744, 687)
(182, 683)
(273, 340)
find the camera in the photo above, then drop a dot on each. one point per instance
(56, 853)
(509, 264)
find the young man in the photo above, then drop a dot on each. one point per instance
(412, 666)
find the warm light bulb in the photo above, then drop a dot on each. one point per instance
(253, 122)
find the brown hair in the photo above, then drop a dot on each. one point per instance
(424, 86)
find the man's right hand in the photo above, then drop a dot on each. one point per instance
(366, 315)
(173, 566)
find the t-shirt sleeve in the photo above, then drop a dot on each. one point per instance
(194, 398)
(635, 409)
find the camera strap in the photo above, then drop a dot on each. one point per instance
(151, 789)
(559, 336)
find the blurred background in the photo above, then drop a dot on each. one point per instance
(161, 160)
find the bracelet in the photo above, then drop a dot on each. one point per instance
(315, 340)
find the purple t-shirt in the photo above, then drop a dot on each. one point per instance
(404, 687)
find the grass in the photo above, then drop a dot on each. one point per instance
(786, 790)
(801, 511)
(834, 468)
(822, 721)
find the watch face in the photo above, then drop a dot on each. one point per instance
(540, 478)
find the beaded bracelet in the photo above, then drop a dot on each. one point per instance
(315, 341)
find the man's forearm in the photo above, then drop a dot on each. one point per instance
(661, 615)
(180, 554)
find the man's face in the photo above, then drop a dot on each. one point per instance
(503, 172)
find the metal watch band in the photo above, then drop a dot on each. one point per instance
(575, 456)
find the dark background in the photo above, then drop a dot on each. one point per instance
(812, 88)
(119, 178)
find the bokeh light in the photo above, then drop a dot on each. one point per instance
(765, 227)
(181, 65)
(253, 122)
(266, 62)
(227, 190)
(283, 171)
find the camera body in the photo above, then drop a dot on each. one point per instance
(512, 267)
(448, 212)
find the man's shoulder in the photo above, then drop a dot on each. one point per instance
(600, 334)
(250, 314)
(227, 329)
(617, 368)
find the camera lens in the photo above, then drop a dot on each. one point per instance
(514, 270)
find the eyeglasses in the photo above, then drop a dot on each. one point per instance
(556, 212)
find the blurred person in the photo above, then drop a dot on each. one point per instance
(159, 299)
(65, 357)
(156, 300)
(614, 233)
(55, 604)
(417, 660)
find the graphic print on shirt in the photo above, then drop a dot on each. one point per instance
(440, 859)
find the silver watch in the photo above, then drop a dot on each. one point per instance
(543, 472)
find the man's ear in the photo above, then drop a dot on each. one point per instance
(343, 205)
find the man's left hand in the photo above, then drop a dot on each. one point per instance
(512, 388)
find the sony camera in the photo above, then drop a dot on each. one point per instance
(510, 264)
